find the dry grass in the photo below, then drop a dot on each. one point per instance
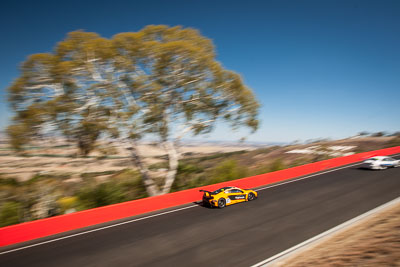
(374, 242)
(52, 160)
(55, 161)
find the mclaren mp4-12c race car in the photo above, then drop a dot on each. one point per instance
(226, 196)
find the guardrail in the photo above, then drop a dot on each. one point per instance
(50, 226)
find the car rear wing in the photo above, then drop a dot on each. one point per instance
(209, 193)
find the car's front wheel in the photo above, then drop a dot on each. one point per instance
(221, 203)
(250, 197)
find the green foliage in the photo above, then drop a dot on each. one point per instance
(299, 161)
(226, 171)
(47, 155)
(122, 186)
(19, 135)
(49, 177)
(100, 195)
(131, 85)
(86, 139)
(107, 151)
(221, 155)
(189, 176)
(159, 165)
(187, 168)
(320, 157)
(265, 150)
(66, 203)
(363, 133)
(277, 165)
(378, 134)
(9, 181)
(95, 174)
(361, 149)
(10, 213)
(131, 184)
(134, 83)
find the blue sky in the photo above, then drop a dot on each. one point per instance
(320, 69)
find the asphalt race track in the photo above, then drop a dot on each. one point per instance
(240, 235)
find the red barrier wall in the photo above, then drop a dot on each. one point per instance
(54, 225)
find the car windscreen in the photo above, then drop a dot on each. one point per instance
(220, 190)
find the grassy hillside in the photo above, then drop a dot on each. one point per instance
(47, 194)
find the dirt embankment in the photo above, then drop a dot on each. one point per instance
(373, 242)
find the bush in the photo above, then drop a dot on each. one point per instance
(159, 165)
(274, 166)
(10, 213)
(9, 181)
(277, 165)
(226, 171)
(123, 186)
(46, 177)
(67, 203)
(100, 195)
(188, 168)
(131, 184)
(378, 134)
(95, 174)
(221, 155)
(187, 176)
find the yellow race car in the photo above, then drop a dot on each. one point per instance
(226, 196)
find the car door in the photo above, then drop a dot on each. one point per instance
(236, 195)
(388, 162)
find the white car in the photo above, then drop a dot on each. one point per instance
(380, 163)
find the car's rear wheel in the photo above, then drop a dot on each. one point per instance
(251, 197)
(384, 167)
(221, 203)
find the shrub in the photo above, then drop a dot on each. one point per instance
(277, 165)
(95, 174)
(159, 165)
(189, 168)
(9, 181)
(378, 134)
(66, 203)
(228, 170)
(10, 213)
(100, 195)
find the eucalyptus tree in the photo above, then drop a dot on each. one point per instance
(60, 91)
(161, 81)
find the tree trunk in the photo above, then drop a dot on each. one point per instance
(151, 187)
(173, 158)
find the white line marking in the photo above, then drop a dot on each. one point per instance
(163, 213)
(326, 233)
(95, 230)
